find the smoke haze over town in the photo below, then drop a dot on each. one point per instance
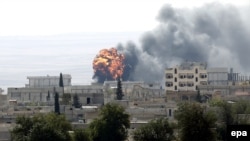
(214, 33)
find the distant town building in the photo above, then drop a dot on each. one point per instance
(133, 90)
(33, 95)
(88, 94)
(186, 77)
(1, 91)
(217, 76)
(40, 90)
(47, 81)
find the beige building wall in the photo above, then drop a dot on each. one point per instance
(185, 77)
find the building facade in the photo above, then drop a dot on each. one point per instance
(186, 77)
(47, 81)
(33, 95)
(88, 94)
(217, 76)
(133, 90)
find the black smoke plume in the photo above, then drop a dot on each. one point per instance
(214, 33)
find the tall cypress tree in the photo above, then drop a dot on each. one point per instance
(119, 93)
(61, 81)
(76, 102)
(57, 106)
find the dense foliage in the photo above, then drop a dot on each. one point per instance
(57, 105)
(66, 98)
(111, 125)
(156, 130)
(41, 128)
(119, 93)
(76, 102)
(195, 122)
(81, 135)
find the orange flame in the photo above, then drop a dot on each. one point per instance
(109, 61)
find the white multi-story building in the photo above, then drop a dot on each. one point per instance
(186, 77)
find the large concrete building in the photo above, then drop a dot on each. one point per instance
(39, 90)
(217, 76)
(186, 77)
(33, 95)
(47, 81)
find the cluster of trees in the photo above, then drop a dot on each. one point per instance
(195, 122)
(41, 127)
(112, 124)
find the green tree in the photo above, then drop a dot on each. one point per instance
(41, 128)
(225, 116)
(198, 97)
(66, 97)
(195, 122)
(119, 93)
(155, 130)
(111, 125)
(76, 102)
(48, 96)
(57, 106)
(61, 80)
(241, 111)
(81, 135)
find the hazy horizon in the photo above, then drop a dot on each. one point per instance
(23, 56)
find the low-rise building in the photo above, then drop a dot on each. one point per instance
(88, 94)
(33, 95)
(133, 90)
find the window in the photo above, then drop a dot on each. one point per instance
(175, 79)
(196, 79)
(169, 84)
(88, 100)
(175, 71)
(169, 112)
(175, 87)
(203, 75)
(196, 70)
(168, 76)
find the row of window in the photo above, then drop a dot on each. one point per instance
(196, 71)
(182, 76)
(183, 84)
(176, 88)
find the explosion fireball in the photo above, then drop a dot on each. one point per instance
(108, 64)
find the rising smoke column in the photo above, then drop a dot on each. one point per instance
(214, 33)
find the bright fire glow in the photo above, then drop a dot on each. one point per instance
(109, 61)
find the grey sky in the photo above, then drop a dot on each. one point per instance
(37, 36)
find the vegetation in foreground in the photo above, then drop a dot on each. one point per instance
(195, 121)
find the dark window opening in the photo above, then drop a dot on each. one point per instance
(196, 70)
(170, 112)
(88, 100)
